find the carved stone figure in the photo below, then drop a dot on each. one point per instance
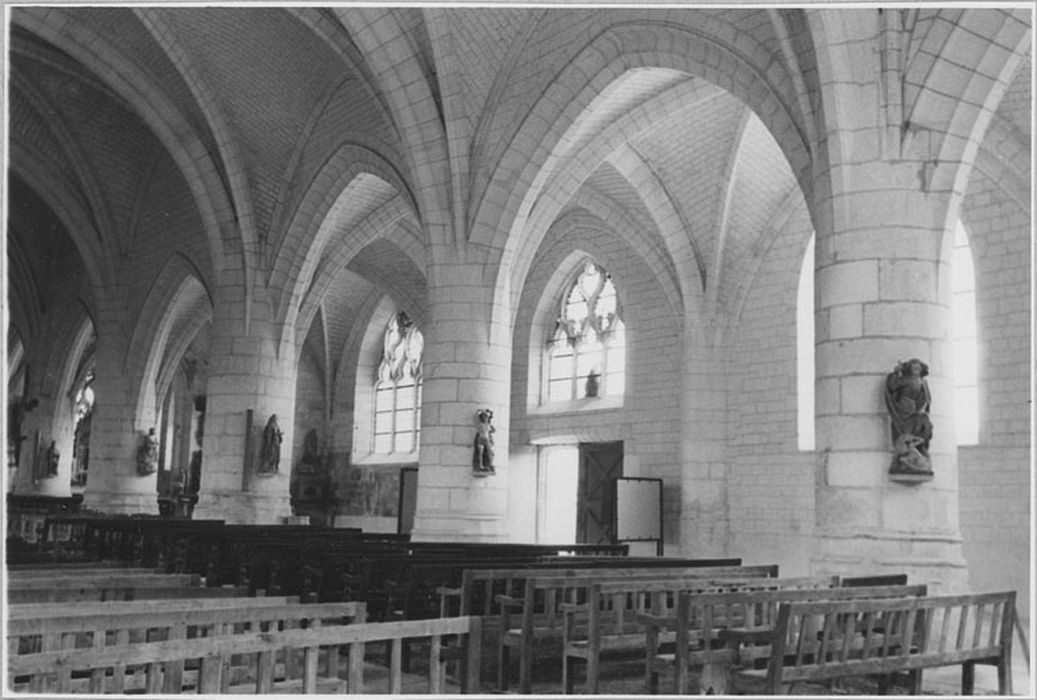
(147, 455)
(593, 384)
(908, 401)
(270, 455)
(53, 457)
(311, 451)
(482, 456)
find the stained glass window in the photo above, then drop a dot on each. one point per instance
(397, 389)
(586, 353)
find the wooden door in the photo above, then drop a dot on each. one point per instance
(408, 500)
(600, 464)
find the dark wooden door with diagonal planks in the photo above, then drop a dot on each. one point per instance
(600, 464)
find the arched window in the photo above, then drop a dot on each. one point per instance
(84, 409)
(586, 353)
(963, 339)
(397, 388)
(805, 350)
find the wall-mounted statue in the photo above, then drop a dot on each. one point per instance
(147, 454)
(482, 455)
(53, 458)
(311, 458)
(908, 401)
(593, 384)
(270, 454)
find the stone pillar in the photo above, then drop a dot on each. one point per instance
(882, 290)
(247, 371)
(704, 520)
(466, 367)
(113, 484)
(40, 482)
(56, 483)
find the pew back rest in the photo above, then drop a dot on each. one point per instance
(621, 606)
(23, 596)
(547, 599)
(836, 638)
(104, 580)
(704, 617)
(491, 584)
(108, 618)
(213, 650)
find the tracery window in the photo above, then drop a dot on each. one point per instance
(84, 409)
(586, 353)
(397, 389)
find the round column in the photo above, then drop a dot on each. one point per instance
(113, 484)
(466, 369)
(882, 298)
(248, 382)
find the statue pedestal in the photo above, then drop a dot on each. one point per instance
(909, 478)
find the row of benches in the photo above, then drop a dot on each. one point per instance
(529, 605)
(319, 564)
(165, 644)
(750, 633)
(716, 620)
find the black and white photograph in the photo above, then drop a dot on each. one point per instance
(503, 348)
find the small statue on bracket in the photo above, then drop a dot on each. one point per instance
(482, 455)
(908, 401)
(270, 454)
(53, 458)
(147, 455)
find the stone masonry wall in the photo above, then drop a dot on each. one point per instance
(648, 419)
(995, 476)
(771, 487)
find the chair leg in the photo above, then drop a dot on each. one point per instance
(568, 675)
(968, 678)
(503, 668)
(914, 682)
(1004, 675)
(651, 681)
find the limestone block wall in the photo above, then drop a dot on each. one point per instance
(771, 482)
(995, 475)
(648, 419)
(309, 404)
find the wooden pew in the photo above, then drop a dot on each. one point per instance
(701, 618)
(27, 513)
(832, 639)
(209, 652)
(58, 566)
(436, 586)
(481, 585)
(540, 615)
(23, 573)
(39, 628)
(623, 618)
(102, 579)
(68, 589)
(326, 564)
